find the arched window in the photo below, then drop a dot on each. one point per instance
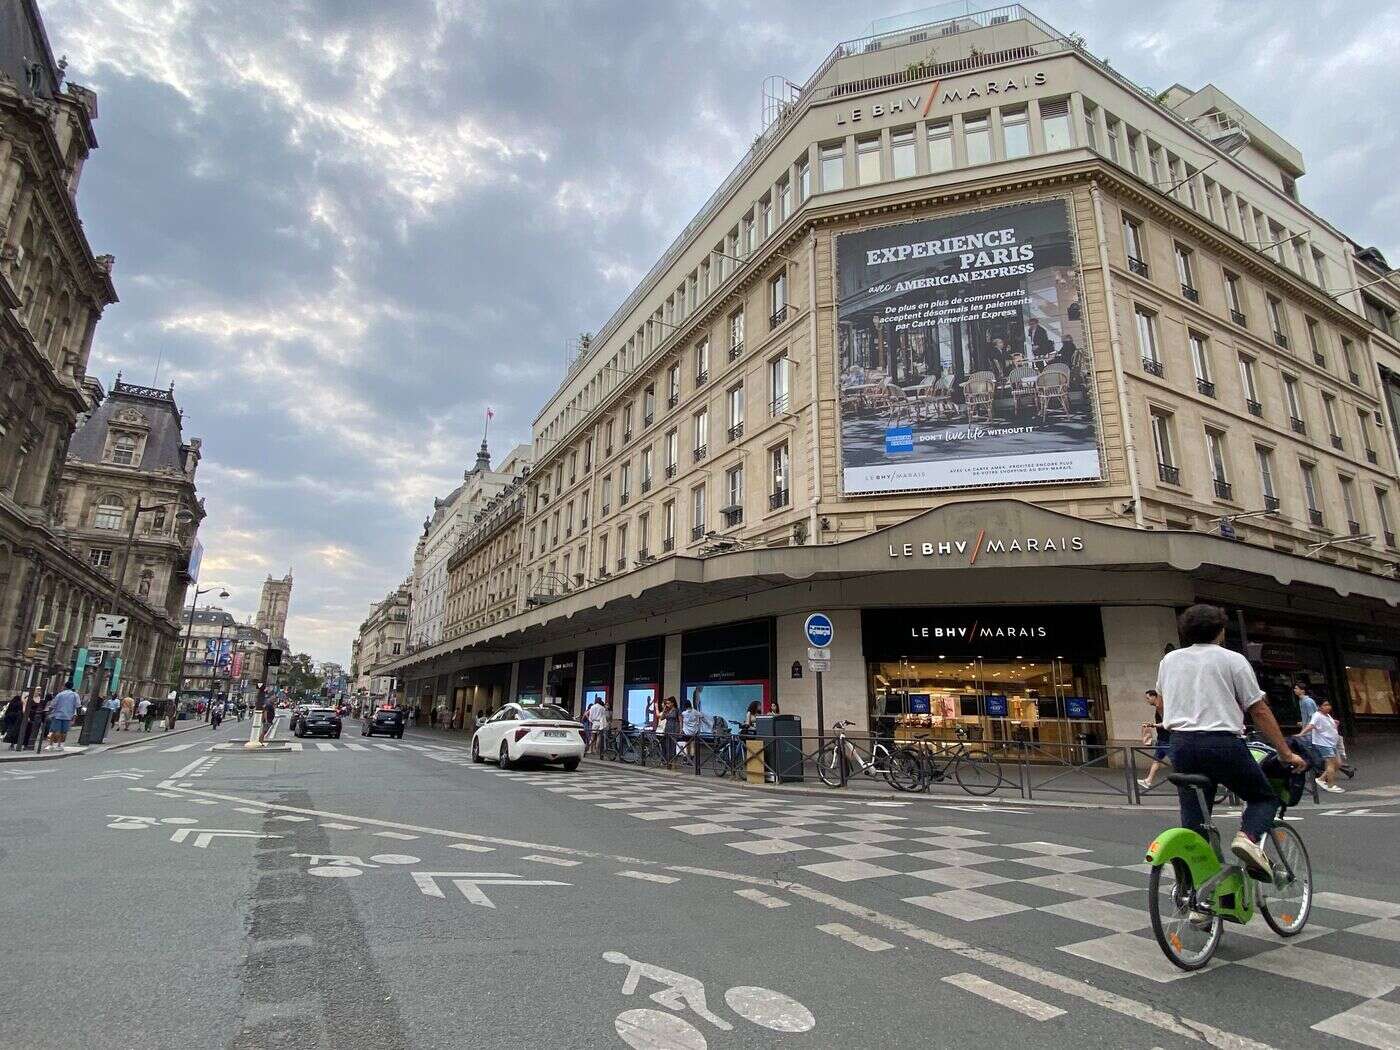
(110, 513)
(124, 450)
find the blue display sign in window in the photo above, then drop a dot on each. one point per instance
(1076, 707)
(918, 703)
(996, 706)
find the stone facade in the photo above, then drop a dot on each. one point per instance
(382, 637)
(483, 572)
(275, 601)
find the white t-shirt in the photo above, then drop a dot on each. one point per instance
(1324, 729)
(143, 707)
(1206, 688)
(598, 716)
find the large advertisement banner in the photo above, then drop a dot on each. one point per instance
(963, 359)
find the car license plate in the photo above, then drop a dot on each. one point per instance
(556, 733)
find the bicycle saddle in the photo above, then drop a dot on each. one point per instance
(1192, 780)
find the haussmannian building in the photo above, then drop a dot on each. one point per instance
(997, 359)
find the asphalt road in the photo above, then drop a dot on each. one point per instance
(362, 894)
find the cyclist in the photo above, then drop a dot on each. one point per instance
(1206, 691)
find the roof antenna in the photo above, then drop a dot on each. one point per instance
(159, 355)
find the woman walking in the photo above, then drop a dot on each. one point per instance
(1163, 741)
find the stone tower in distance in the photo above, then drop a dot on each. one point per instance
(272, 610)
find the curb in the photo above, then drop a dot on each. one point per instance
(45, 756)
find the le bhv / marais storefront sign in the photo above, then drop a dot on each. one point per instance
(987, 548)
(922, 102)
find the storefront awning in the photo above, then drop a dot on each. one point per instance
(965, 537)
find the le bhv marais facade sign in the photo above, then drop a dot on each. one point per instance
(986, 548)
(919, 104)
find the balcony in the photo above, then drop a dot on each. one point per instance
(626, 436)
(732, 516)
(673, 401)
(568, 533)
(1390, 539)
(608, 451)
(1169, 474)
(1355, 379)
(670, 470)
(1138, 267)
(736, 431)
(700, 452)
(649, 419)
(1238, 318)
(607, 507)
(1223, 489)
(779, 316)
(1272, 504)
(1205, 386)
(624, 498)
(1354, 528)
(644, 556)
(778, 499)
(736, 350)
(622, 564)
(583, 524)
(1191, 293)
(1319, 360)
(1371, 457)
(1153, 367)
(646, 484)
(1281, 340)
(697, 532)
(1337, 441)
(1299, 427)
(1315, 517)
(778, 405)
(702, 377)
(668, 544)
(1254, 407)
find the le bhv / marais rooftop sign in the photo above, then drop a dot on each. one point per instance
(985, 546)
(922, 102)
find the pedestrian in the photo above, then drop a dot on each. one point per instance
(751, 717)
(128, 709)
(691, 722)
(61, 713)
(269, 713)
(669, 723)
(432, 718)
(34, 720)
(9, 722)
(1307, 706)
(597, 721)
(1160, 737)
(114, 711)
(146, 711)
(1322, 733)
(216, 716)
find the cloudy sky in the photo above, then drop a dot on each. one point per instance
(345, 227)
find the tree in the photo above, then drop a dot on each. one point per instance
(299, 675)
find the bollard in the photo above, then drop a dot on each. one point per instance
(254, 730)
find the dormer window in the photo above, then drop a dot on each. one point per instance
(124, 450)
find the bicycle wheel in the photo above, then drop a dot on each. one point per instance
(1188, 942)
(829, 765)
(906, 770)
(977, 774)
(626, 749)
(1286, 907)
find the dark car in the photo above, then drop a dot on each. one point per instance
(387, 720)
(316, 721)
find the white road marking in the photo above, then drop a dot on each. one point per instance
(177, 747)
(759, 897)
(395, 835)
(559, 861)
(386, 747)
(1334, 972)
(770, 1009)
(656, 1030)
(472, 848)
(645, 876)
(1007, 997)
(334, 826)
(1357, 905)
(850, 936)
(1373, 1023)
(249, 810)
(187, 770)
(353, 746)
(293, 818)
(202, 838)
(325, 745)
(469, 883)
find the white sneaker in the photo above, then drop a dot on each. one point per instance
(1144, 785)
(1333, 788)
(1251, 855)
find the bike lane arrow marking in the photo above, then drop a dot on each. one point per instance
(203, 838)
(470, 883)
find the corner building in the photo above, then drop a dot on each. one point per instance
(998, 360)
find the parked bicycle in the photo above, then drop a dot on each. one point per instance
(1192, 891)
(974, 770)
(728, 750)
(901, 768)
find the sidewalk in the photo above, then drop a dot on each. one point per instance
(115, 740)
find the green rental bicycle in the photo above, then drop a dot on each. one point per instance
(1193, 891)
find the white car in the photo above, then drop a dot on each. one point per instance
(539, 731)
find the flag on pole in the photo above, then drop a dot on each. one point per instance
(490, 412)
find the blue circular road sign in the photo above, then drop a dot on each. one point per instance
(819, 630)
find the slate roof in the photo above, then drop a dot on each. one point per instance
(163, 443)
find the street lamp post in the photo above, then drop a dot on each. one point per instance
(184, 652)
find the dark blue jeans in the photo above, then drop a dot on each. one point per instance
(1225, 758)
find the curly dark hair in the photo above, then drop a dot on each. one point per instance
(1201, 624)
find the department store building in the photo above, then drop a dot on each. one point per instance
(998, 360)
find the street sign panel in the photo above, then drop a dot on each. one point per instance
(109, 627)
(819, 665)
(819, 654)
(819, 631)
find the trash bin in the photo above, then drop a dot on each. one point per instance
(95, 726)
(782, 746)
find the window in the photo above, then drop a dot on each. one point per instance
(1329, 412)
(1320, 268)
(778, 298)
(587, 454)
(1147, 340)
(608, 438)
(736, 334)
(978, 139)
(1349, 505)
(701, 431)
(1248, 385)
(624, 484)
(1383, 516)
(1380, 315)
(1167, 469)
(1215, 453)
(668, 525)
(1309, 474)
(1200, 361)
(868, 160)
(778, 384)
(1349, 362)
(1265, 458)
(626, 424)
(123, 450)
(1278, 320)
(1154, 164)
(736, 412)
(1016, 132)
(702, 362)
(605, 493)
(643, 534)
(648, 459)
(1363, 422)
(778, 463)
(804, 179)
(833, 161)
(1186, 275)
(1091, 138)
(940, 146)
(734, 488)
(1232, 297)
(784, 199)
(109, 514)
(1134, 144)
(697, 512)
(902, 153)
(766, 223)
(569, 518)
(673, 386)
(1295, 405)
(672, 452)
(1315, 342)
(100, 557)
(622, 546)
(1133, 245)
(1113, 134)
(1054, 122)
(648, 408)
